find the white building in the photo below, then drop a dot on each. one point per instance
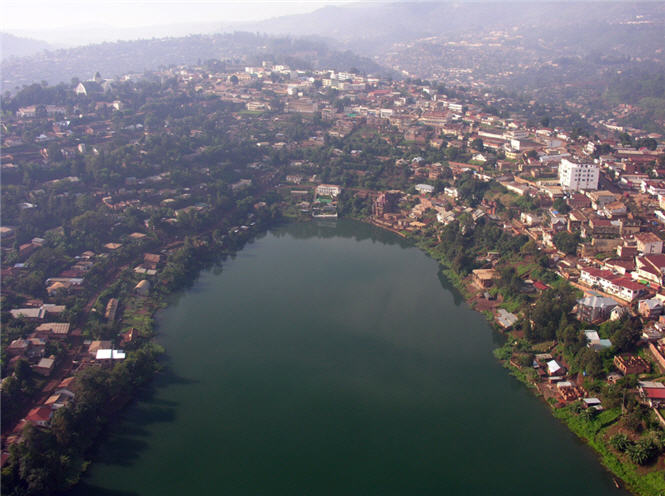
(328, 190)
(424, 189)
(577, 177)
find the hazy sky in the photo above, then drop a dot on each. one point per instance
(37, 15)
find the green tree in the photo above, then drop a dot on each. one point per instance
(642, 451)
(566, 242)
(561, 206)
(620, 442)
(626, 336)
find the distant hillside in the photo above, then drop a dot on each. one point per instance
(14, 46)
(370, 28)
(112, 59)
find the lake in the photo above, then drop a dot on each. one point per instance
(330, 359)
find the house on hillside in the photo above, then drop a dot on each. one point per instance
(484, 278)
(631, 364)
(648, 243)
(595, 343)
(651, 308)
(45, 366)
(554, 369)
(142, 288)
(653, 393)
(595, 308)
(40, 416)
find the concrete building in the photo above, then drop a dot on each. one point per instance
(595, 308)
(328, 190)
(648, 243)
(424, 189)
(574, 176)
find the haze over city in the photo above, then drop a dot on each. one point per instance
(332, 248)
(66, 22)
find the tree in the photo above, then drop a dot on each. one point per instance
(590, 362)
(566, 242)
(642, 451)
(620, 442)
(477, 144)
(626, 337)
(626, 139)
(589, 414)
(529, 248)
(648, 143)
(561, 206)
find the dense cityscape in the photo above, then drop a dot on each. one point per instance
(117, 192)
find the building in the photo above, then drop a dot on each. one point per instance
(109, 355)
(575, 176)
(648, 243)
(151, 261)
(45, 366)
(653, 393)
(424, 189)
(58, 330)
(18, 347)
(599, 199)
(631, 364)
(59, 399)
(651, 308)
(96, 345)
(650, 268)
(28, 313)
(595, 342)
(386, 203)
(302, 106)
(554, 369)
(614, 284)
(111, 309)
(451, 191)
(505, 319)
(40, 416)
(142, 288)
(328, 190)
(484, 278)
(595, 308)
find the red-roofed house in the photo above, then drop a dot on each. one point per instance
(540, 286)
(611, 283)
(40, 416)
(648, 243)
(651, 268)
(655, 396)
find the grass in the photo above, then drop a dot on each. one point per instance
(593, 432)
(454, 278)
(513, 305)
(139, 315)
(525, 375)
(543, 347)
(527, 268)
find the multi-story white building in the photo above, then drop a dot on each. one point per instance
(328, 190)
(575, 176)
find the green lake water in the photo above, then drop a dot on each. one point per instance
(333, 359)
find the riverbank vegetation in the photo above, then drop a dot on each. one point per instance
(547, 326)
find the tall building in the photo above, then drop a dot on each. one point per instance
(574, 176)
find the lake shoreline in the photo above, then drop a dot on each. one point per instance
(169, 302)
(625, 472)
